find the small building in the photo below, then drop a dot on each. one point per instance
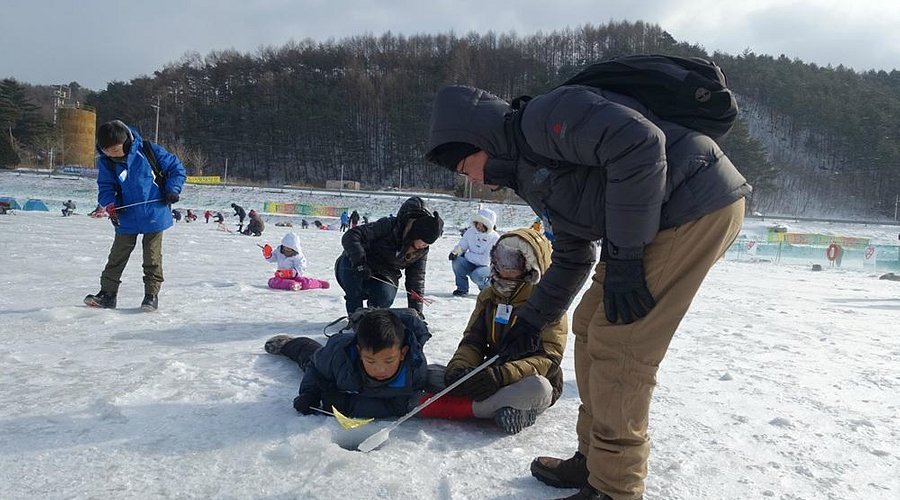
(341, 185)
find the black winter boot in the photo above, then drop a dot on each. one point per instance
(274, 344)
(150, 303)
(103, 300)
(513, 420)
(300, 349)
(588, 493)
(569, 473)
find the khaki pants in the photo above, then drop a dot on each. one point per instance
(121, 250)
(615, 364)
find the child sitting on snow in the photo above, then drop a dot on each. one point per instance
(513, 393)
(377, 371)
(291, 265)
(381, 371)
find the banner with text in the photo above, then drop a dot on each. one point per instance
(272, 207)
(204, 179)
(816, 239)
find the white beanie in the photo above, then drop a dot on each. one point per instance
(487, 217)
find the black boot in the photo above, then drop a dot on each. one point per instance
(569, 473)
(274, 344)
(513, 420)
(588, 493)
(103, 300)
(150, 303)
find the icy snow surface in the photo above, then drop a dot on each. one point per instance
(781, 383)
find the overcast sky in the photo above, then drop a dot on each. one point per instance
(97, 41)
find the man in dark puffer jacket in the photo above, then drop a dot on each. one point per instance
(666, 203)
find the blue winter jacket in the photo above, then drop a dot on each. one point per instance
(134, 182)
(336, 374)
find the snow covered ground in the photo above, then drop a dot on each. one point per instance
(781, 383)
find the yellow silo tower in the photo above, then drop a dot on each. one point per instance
(78, 127)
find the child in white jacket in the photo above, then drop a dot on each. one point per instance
(472, 255)
(291, 265)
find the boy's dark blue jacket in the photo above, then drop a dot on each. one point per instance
(337, 374)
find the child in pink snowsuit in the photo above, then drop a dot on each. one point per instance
(291, 264)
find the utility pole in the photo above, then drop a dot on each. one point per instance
(156, 134)
(896, 206)
(400, 186)
(225, 182)
(341, 188)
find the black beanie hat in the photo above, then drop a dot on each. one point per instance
(427, 228)
(449, 154)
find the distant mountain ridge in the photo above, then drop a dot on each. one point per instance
(812, 140)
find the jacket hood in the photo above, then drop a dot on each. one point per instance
(292, 241)
(412, 208)
(537, 242)
(470, 115)
(537, 249)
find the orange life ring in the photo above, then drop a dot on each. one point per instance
(833, 252)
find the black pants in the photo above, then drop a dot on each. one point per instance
(301, 350)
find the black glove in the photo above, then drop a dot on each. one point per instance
(171, 198)
(625, 292)
(362, 271)
(305, 401)
(482, 385)
(522, 340)
(453, 256)
(455, 374)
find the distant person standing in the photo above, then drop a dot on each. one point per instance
(354, 218)
(241, 214)
(345, 221)
(126, 179)
(206, 215)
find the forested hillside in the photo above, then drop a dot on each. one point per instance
(812, 140)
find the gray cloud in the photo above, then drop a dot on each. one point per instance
(94, 42)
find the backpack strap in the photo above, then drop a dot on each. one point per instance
(147, 149)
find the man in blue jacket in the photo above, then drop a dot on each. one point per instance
(137, 200)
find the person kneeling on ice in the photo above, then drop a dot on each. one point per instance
(378, 370)
(533, 383)
(291, 265)
(475, 249)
